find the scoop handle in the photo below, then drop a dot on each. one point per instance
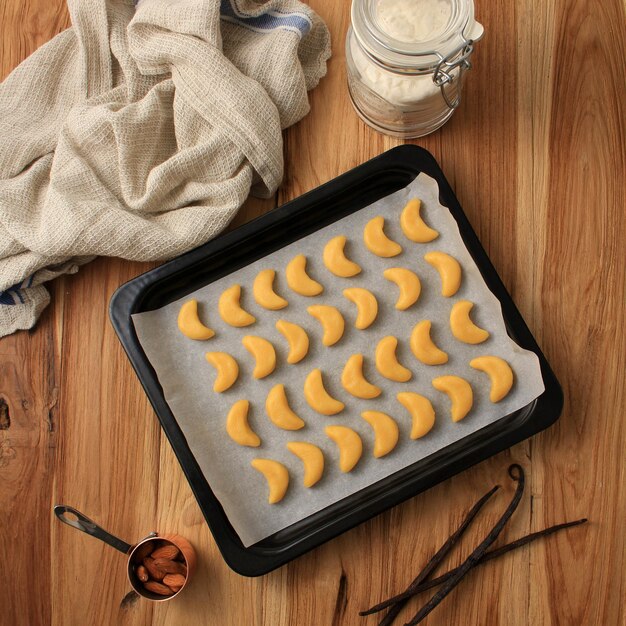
(84, 524)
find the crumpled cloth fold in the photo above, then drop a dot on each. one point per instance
(141, 130)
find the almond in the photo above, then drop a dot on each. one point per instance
(171, 567)
(155, 587)
(154, 570)
(174, 580)
(144, 550)
(168, 551)
(142, 573)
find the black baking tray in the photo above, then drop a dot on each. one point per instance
(339, 197)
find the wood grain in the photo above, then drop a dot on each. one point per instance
(537, 157)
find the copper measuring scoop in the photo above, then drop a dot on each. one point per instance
(135, 553)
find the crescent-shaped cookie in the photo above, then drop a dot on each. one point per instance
(278, 410)
(386, 432)
(354, 382)
(462, 326)
(277, 477)
(499, 372)
(412, 224)
(366, 305)
(408, 283)
(449, 271)
(297, 338)
(349, 444)
(237, 425)
(227, 370)
(377, 242)
(263, 291)
(460, 393)
(387, 362)
(317, 396)
(331, 320)
(189, 323)
(423, 346)
(230, 308)
(264, 355)
(298, 280)
(421, 411)
(336, 261)
(312, 458)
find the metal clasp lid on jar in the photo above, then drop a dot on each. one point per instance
(443, 73)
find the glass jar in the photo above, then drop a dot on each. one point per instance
(406, 62)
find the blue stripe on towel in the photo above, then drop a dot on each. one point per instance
(13, 295)
(10, 297)
(6, 298)
(296, 22)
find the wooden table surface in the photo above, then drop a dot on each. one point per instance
(536, 155)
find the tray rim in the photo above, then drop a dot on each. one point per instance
(260, 559)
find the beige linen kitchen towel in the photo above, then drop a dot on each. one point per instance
(141, 130)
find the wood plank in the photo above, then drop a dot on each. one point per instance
(30, 370)
(26, 26)
(29, 429)
(582, 295)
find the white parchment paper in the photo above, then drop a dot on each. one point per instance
(187, 379)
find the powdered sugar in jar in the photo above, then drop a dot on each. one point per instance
(406, 61)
